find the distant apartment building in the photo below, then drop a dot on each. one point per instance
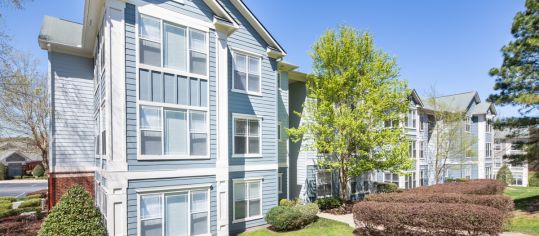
(505, 145)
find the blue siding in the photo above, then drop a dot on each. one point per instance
(133, 185)
(192, 8)
(283, 171)
(131, 93)
(269, 197)
(282, 107)
(72, 120)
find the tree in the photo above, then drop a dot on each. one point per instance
(38, 171)
(517, 78)
(24, 107)
(504, 174)
(75, 214)
(450, 140)
(352, 90)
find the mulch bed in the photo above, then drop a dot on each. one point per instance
(20, 225)
(345, 208)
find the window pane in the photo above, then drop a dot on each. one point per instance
(183, 90)
(175, 132)
(150, 227)
(239, 145)
(170, 88)
(150, 28)
(199, 144)
(194, 99)
(203, 93)
(150, 53)
(150, 118)
(150, 206)
(240, 80)
(145, 85)
(150, 142)
(199, 201)
(157, 87)
(254, 190)
(199, 223)
(174, 47)
(254, 145)
(254, 207)
(240, 63)
(198, 40)
(240, 127)
(177, 214)
(239, 191)
(253, 128)
(254, 66)
(240, 208)
(198, 63)
(198, 122)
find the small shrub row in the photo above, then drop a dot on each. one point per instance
(12, 212)
(5, 206)
(31, 203)
(328, 203)
(455, 180)
(502, 203)
(34, 196)
(398, 218)
(481, 187)
(382, 187)
(286, 218)
(8, 198)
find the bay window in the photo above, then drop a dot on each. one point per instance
(175, 213)
(247, 199)
(246, 136)
(247, 74)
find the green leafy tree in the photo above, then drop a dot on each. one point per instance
(353, 89)
(38, 171)
(517, 81)
(504, 174)
(75, 214)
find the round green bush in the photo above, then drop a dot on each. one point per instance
(329, 202)
(287, 203)
(38, 171)
(3, 172)
(284, 218)
(504, 174)
(75, 214)
(382, 187)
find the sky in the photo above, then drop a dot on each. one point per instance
(448, 45)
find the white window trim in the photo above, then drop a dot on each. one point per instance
(247, 180)
(247, 117)
(488, 150)
(162, 194)
(330, 183)
(468, 124)
(280, 184)
(247, 55)
(413, 119)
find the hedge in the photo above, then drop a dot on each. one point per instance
(286, 218)
(5, 206)
(8, 198)
(481, 187)
(397, 218)
(502, 203)
(12, 212)
(3, 172)
(328, 203)
(382, 187)
(31, 203)
(38, 171)
(288, 203)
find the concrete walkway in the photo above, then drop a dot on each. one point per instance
(349, 219)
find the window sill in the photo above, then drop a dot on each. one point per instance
(247, 93)
(246, 155)
(171, 157)
(247, 219)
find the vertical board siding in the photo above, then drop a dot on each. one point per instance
(283, 170)
(132, 204)
(131, 92)
(72, 102)
(269, 197)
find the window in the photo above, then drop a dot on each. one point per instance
(246, 73)
(469, 153)
(175, 213)
(488, 150)
(354, 186)
(279, 132)
(324, 180)
(467, 173)
(391, 178)
(166, 131)
(498, 147)
(423, 175)
(246, 136)
(164, 44)
(468, 124)
(489, 126)
(488, 172)
(421, 122)
(409, 181)
(103, 130)
(280, 183)
(421, 149)
(411, 120)
(97, 139)
(391, 123)
(517, 179)
(411, 149)
(247, 199)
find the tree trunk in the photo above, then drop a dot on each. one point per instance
(343, 180)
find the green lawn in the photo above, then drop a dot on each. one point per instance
(526, 214)
(321, 227)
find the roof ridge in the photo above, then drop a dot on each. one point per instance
(457, 94)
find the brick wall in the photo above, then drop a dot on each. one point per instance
(59, 183)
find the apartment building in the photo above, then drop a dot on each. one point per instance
(504, 145)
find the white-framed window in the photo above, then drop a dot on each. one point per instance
(468, 173)
(182, 212)
(412, 149)
(468, 123)
(247, 73)
(103, 130)
(409, 181)
(175, 133)
(247, 199)
(421, 149)
(411, 118)
(488, 150)
(391, 178)
(247, 136)
(488, 172)
(497, 147)
(168, 45)
(280, 183)
(517, 180)
(97, 135)
(324, 183)
(489, 126)
(423, 176)
(421, 123)
(391, 123)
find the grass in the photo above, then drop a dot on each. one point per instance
(320, 227)
(526, 214)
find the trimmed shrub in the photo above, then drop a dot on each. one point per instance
(533, 179)
(3, 172)
(455, 180)
(382, 187)
(5, 206)
(504, 174)
(75, 214)
(283, 218)
(31, 203)
(34, 196)
(8, 198)
(328, 203)
(12, 212)
(397, 218)
(502, 203)
(288, 203)
(481, 187)
(38, 171)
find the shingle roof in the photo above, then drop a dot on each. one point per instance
(455, 102)
(482, 108)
